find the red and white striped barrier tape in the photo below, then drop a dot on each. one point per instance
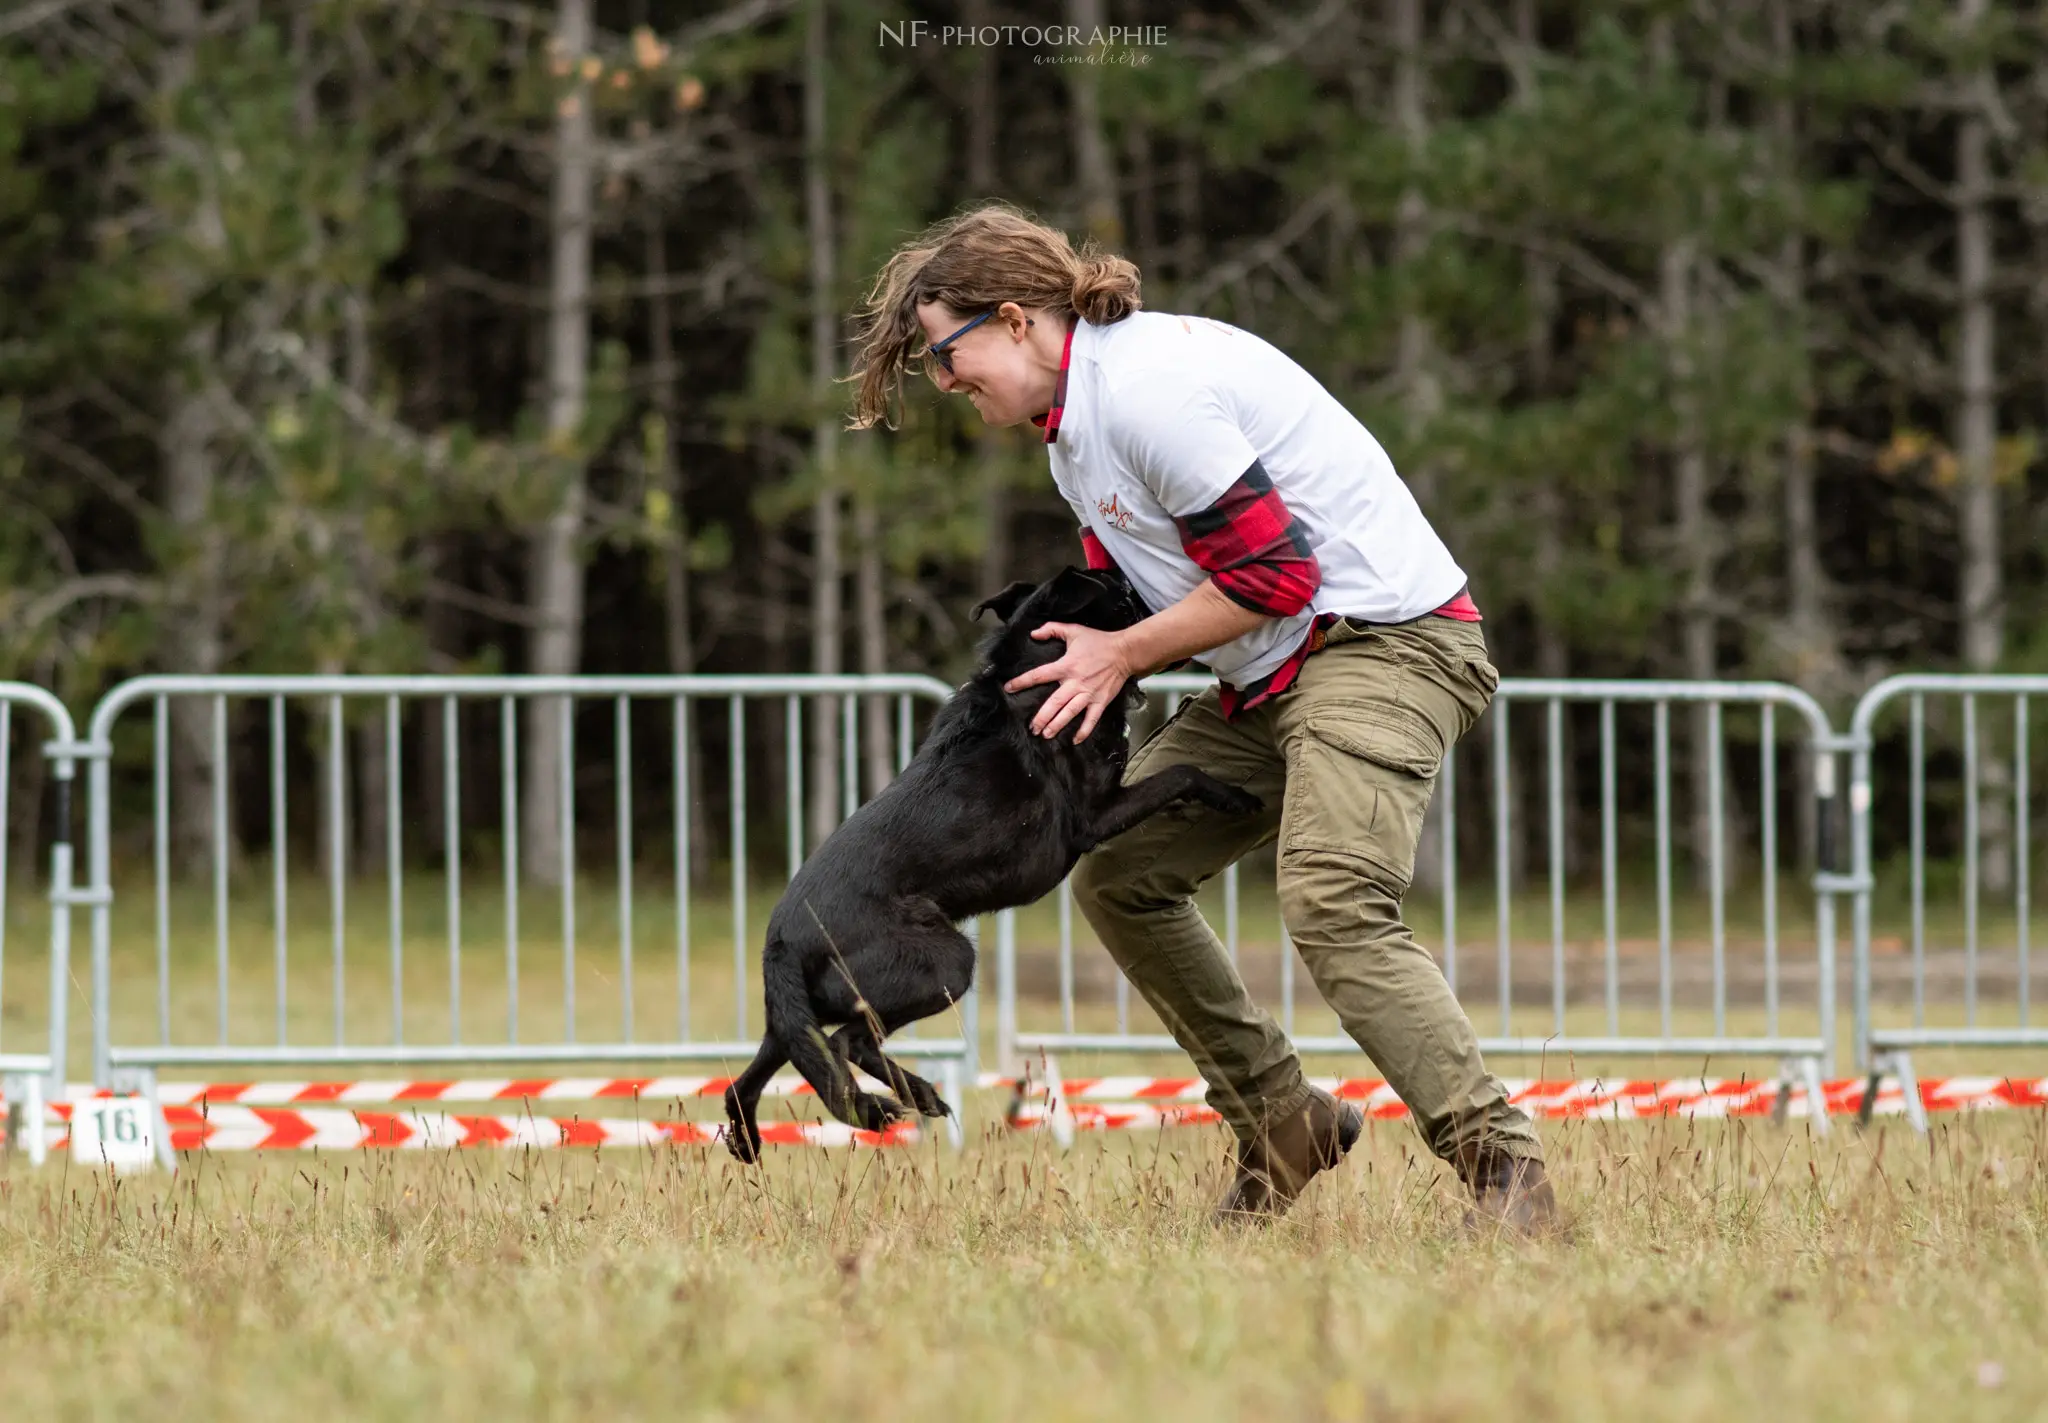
(1549, 1098)
(1167, 1101)
(269, 1116)
(228, 1127)
(473, 1089)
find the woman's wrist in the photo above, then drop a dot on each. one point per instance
(1201, 622)
(1130, 656)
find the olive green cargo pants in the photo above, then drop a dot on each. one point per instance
(1345, 761)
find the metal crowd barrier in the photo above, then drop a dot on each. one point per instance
(29, 1078)
(1683, 1007)
(1691, 998)
(1981, 751)
(196, 1025)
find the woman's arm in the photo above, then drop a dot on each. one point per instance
(1205, 619)
(1093, 670)
(1238, 531)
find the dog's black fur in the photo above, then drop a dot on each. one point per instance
(987, 816)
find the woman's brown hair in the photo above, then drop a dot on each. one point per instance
(974, 262)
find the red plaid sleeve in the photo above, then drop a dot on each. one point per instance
(1251, 543)
(1097, 555)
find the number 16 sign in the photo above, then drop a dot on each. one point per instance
(113, 1131)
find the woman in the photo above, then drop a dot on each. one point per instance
(1269, 534)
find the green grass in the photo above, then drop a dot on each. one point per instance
(1715, 1271)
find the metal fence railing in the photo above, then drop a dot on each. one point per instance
(29, 1076)
(1940, 961)
(1666, 923)
(1592, 986)
(427, 948)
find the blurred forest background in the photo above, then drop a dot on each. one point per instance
(481, 335)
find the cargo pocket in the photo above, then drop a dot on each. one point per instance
(1366, 776)
(1391, 736)
(1485, 674)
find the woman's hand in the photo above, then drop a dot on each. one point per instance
(1091, 674)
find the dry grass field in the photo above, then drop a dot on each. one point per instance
(1713, 1271)
(1725, 1270)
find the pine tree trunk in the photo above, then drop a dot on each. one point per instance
(1101, 214)
(982, 129)
(1692, 531)
(1413, 373)
(773, 761)
(1551, 511)
(195, 638)
(1976, 434)
(1144, 198)
(876, 729)
(438, 625)
(1816, 662)
(29, 783)
(1187, 244)
(372, 758)
(680, 641)
(1818, 665)
(826, 575)
(555, 646)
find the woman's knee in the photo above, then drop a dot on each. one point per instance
(1330, 899)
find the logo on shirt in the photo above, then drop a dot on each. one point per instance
(1114, 512)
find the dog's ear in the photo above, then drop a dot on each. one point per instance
(1072, 589)
(1006, 602)
(1101, 595)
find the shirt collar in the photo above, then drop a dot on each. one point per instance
(1050, 421)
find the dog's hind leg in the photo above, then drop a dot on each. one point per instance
(853, 1047)
(743, 1100)
(930, 970)
(856, 1042)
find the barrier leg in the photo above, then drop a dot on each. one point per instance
(1909, 1088)
(1781, 1105)
(1058, 1114)
(1900, 1065)
(1816, 1095)
(34, 1110)
(951, 1088)
(25, 1111)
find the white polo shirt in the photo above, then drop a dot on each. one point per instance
(1164, 413)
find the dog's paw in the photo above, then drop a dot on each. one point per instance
(744, 1143)
(874, 1113)
(927, 1100)
(742, 1136)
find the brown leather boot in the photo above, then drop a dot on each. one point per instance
(1275, 1166)
(1509, 1193)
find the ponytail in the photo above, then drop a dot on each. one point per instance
(971, 263)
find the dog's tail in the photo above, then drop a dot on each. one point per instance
(792, 1019)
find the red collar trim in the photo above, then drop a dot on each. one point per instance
(1050, 421)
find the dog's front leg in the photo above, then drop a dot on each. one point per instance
(1139, 802)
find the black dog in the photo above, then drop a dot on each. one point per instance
(987, 816)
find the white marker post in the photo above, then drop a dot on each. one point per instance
(117, 1132)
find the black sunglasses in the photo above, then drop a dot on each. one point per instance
(938, 352)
